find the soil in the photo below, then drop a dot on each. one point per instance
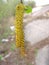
(16, 59)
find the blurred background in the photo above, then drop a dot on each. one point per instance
(36, 29)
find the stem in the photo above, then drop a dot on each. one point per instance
(21, 1)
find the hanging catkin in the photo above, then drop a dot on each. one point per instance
(19, 28)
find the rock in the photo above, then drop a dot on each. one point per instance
(5, 40)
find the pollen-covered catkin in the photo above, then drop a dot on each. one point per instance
(19, 27)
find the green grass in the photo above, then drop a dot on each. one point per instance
(13, 47)
(1, 57)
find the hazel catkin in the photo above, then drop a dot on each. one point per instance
(19, 27)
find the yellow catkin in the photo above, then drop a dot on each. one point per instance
(19, 28)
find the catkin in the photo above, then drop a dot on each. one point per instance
(19, 28)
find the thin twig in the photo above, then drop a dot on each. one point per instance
(21, 1)
(8, 55)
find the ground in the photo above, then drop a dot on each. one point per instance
(41, 40)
